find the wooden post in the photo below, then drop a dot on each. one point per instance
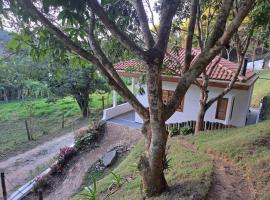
(63, 120)
(3, 183)
(40, 196)
(27, 130)
(103, 103)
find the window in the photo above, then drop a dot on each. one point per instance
(232, 108)
(221, 108)
(167, 94)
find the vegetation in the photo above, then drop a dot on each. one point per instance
(248, 147)
(261, 87)
(190, 175)
(46, 120)
(91, 22)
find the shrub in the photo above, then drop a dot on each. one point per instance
(81, 132)
(91, 191)
(167, 161)
(186, 130)
(41, 182)
(66, 153)
(85, 140)
(116, 179)
(174, 131)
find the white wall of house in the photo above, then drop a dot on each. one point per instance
(191, 105)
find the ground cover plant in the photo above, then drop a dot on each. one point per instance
(261, 87)
(189, 175)
(46, 120)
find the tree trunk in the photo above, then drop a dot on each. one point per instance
(151, 164)
(200, 120)
(82, 100)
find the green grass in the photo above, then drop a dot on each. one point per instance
(46, 119)
(189, 175)
(248, 147)
(261, 88)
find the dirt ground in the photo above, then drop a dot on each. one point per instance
(228, 181)
(115, 135)
(23, 167)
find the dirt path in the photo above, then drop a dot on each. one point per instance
(228, 181)
(115, 135)
(23, 167)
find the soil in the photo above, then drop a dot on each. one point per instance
(70, 181)
(22, 148)
(23, 167)
(228, 181)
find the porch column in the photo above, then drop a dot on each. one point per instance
(114, 98)
(133, 85)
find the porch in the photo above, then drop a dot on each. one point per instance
(126, 119)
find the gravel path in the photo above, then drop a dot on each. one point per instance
(23, 167)
(115, 135)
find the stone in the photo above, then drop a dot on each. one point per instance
(109, 158)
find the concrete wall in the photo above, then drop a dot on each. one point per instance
(117, 110)
(191, 105)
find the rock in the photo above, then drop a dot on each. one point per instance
(109, 158)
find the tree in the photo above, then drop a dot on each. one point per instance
(150, 49)
(79, 82)
(241, 42)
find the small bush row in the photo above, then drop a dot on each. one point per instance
(180, 131)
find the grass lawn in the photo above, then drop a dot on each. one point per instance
(189, 174)
(248, 147)
(261, 88)
(46, 120)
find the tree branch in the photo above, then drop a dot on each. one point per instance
(149, 40)
(168, 10)
(208, 54)
(191, 28)
(66, 41)
(140, 109)
(118, 34)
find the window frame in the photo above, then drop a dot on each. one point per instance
(218, 107)
(168, 94)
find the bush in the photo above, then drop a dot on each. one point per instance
(66, 153)
(174, 131)
(86, 136)
(86, 140)
(186, 130)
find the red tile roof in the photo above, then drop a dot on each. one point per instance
(224, 69)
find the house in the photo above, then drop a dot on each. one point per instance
(232, 109)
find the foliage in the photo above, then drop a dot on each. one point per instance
(167, 161)
(66, 152)
(261, 88)
(189, 170)
(248, 147)
(85, 140)
(90, 192)
(116, 178)
(47, 117)
(174, 131)
(186, 130)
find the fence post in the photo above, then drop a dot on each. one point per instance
(27, 130)
(63, 120)
(103, 103)
(40, 196)
(4, 189)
